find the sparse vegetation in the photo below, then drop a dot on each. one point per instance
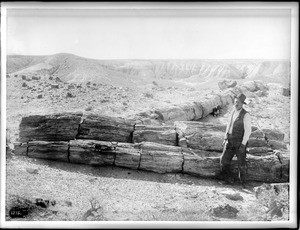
(123, 194)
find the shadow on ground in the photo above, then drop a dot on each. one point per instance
(131, 174)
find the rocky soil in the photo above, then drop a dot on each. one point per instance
(119, 194)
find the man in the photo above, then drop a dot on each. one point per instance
(235, 142)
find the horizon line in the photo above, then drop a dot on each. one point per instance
(37, 55)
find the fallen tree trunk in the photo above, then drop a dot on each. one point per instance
(105, 128)
(51, 127)
(156, 158)
(209, 136)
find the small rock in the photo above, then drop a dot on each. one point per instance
(286, 92)
(194, 195)
(42, 203)
(225, 211)
(235, 196)
(32, 171)
(68, 203)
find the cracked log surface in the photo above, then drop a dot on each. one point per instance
(106, 128)
(54, 150)
(160, 158)
(54, 127)
(158, 134)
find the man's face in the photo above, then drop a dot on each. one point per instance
(238, 104)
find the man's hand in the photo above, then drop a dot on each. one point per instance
(242, 148)
(224, 142)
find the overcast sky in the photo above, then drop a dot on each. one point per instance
(156, 34)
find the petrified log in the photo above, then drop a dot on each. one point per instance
(261, 142)
(160, 158)
(51, 127)
(209, 136)
(223, 100)
(260, 151)
(201, 166)
(52, 150)
(128, 155)
(250, 85)
(201, 135)
(92, 152)
(105, 128)
(209, 104)
(284, 159)
(267, 169)
(159, 134)
(176, 113)
(270, 134)
(198, 109)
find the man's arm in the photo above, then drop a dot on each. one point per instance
(228, 124)
(247, 128)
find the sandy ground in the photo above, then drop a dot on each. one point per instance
(123, 194)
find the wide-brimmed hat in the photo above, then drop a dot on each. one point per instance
(241, 97)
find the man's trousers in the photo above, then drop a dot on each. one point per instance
(231, 149)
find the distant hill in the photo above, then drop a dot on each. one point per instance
(72, 68)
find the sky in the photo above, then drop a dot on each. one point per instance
(188, 33)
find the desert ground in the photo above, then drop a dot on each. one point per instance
(123, 89)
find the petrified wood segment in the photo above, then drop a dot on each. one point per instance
(160, 158)
(198, 109)
(200, 135)
(52, 150)
(261, 142)
(209, 136)
(20, 148)
(179, 113)
(105, 128)
(201, 166)
(267, 168)
(92, 152)
(270, 134)
(209, 104)
(51, 127)
(158, 134)
(200, 153)
(260, 151)
(128, 155)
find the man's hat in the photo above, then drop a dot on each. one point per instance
(241, 97)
